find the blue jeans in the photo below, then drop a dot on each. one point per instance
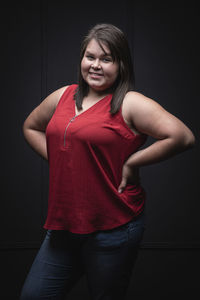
(105, 257)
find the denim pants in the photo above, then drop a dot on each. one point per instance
(106, 258)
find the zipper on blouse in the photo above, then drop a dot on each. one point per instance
(66, 129)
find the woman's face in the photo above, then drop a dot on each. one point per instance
(98, 68)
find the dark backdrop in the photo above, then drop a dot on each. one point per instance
(40, 53)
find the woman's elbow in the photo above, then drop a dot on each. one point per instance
(190, 140)
(24, 126)
(187, 140)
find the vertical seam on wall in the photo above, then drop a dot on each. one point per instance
(130, 25)
(43, 19)
(44, 56)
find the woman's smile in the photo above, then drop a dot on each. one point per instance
(95, 75)
(98, 68)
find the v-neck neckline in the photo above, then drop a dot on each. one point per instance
(88, 109)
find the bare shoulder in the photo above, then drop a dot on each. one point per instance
(53, 98)
(42, 114)
(136, 107)
(149, 117)
(49, 104)
(136, 101)
(139, 106)
(61, 90)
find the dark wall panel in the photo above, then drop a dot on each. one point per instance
(165, 59)
(21, 89)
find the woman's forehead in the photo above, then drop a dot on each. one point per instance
(98, 46)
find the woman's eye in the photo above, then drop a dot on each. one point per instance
(89, 57)
(107, 59)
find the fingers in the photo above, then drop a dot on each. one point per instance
(129, 176)
(122, 185)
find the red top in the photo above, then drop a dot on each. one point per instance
(86, 153)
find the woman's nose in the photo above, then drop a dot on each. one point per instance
(96, 64)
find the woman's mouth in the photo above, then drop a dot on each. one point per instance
(95, 75)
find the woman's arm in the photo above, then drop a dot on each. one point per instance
(35, 124)
(148, 117)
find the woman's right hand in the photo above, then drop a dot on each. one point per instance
(35, 124)
(130, 175)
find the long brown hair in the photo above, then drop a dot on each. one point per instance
(117, 43)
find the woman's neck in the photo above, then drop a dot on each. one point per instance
(97, 94)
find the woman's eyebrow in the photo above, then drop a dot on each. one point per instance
(105, 54)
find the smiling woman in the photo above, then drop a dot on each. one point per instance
(98, 68)
(91, 134)
(105, 47)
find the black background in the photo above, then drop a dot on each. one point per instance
(40, 43)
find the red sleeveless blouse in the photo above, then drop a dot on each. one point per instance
(86, 153)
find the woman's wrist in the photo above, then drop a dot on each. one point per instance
(37, 141)
(155, 153)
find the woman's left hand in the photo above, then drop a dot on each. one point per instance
(130, 175)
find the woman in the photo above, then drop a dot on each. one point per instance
(90, 134)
